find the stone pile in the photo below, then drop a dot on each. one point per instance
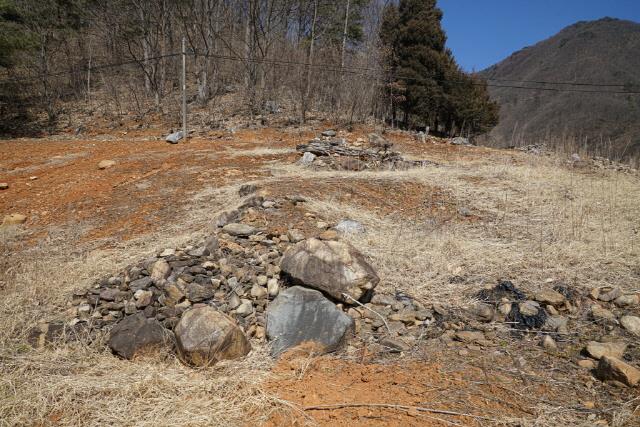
(242, 283)
(329, 152)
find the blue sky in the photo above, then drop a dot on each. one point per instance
(483, 32)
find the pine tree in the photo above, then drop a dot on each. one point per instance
(437, 93)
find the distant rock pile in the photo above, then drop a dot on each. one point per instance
(329, 152)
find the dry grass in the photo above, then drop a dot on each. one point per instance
(537, 220)
(83, 384)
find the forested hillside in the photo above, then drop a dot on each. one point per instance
(324, 56)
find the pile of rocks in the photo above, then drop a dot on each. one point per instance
(209, 300)
(329, 152)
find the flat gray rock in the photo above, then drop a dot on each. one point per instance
(300, 315)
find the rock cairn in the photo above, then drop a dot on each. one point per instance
(330, 152)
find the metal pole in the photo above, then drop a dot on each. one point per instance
(184, 88)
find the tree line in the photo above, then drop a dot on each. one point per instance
(349, 60)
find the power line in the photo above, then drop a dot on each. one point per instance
(358, 71)
(85, 68)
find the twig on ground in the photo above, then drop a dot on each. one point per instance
(392, 406)
(370, 309)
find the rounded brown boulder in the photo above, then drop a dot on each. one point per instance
(205, 336)
(335, 268)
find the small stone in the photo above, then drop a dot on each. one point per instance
(129, 308)
(529, 308)
(470, 336)
(504, 308)
(322, 225)
(109, 294)
(557, 324)
(307, 158)
(601, 314)
(167, 252)
(550, 297)
(328, 235)
(631, 324)
(160, 271)
(589, 404)
(406, 316)
(247, 189)
(597, 350)
(586, 363)
(197, 292)
(173, 294)
(262, 280)
(549, 343)
(330, 133)
(258, 291)
(14, 219)
(143, 298)
(268, 204)
(245, 308)
(608, 294)
(627, 301)
(106, 164)
(4, 186)
(551, 310)
(239, 230)
(382, 299)
(483, 312)
(294, 235)
(273, 287)
(613, 369)
(234, 301)
(395, 345)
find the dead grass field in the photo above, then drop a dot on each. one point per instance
(440, 233)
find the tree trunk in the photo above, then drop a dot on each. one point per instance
(307, 91)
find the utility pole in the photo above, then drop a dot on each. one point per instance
(184, 88)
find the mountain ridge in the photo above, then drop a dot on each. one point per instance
(602, 52)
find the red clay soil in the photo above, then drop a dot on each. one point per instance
(319, 386)
(56, 181)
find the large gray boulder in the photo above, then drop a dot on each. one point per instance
(301, 315)
(205, 336)
(136, 334)
(335, 268)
